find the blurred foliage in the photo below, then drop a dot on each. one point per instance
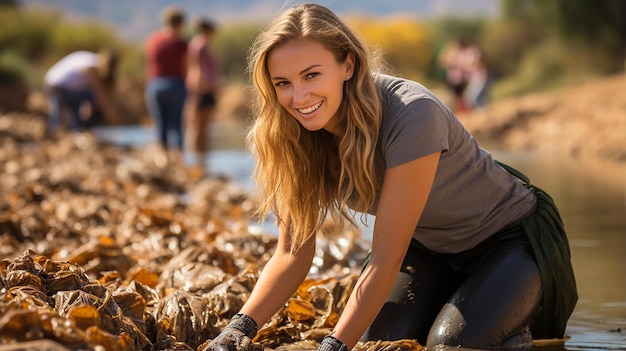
(404, 43)
(532, 45)
(13, 68)
(26, 33)
(66, 38)
(231, 45)
(555, 42)
(31, 41)
(506, 41)
(600, 27)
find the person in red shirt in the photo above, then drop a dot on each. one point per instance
(166, 52)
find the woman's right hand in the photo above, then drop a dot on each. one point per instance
(237, 336)
(231, 339)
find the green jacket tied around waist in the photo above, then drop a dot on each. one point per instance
(546, 233)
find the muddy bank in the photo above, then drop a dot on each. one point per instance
(585, 121)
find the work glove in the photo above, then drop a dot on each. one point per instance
(331, 343)
(236, 336)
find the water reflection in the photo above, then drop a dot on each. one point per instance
(590, 194)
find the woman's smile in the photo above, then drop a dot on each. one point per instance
(310, 109)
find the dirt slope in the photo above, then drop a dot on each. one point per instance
(588, 120)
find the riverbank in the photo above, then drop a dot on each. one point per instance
(587, 121)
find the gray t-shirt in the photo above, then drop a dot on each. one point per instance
(472, 197)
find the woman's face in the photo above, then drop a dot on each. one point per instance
(309, 82)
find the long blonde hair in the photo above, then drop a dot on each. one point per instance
(305, 176)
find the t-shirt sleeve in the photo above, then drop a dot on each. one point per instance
(418, 129)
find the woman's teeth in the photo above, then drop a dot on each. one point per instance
(309, 109)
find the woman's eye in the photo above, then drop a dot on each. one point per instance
(312, 75)
(281, 83)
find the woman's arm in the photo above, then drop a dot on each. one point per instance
(404, 194)
(194, 69)
(280, 278)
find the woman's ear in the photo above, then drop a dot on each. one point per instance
(349, 65)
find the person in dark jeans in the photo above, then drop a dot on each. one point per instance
(166, 51)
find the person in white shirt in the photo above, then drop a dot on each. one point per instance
(79, 89)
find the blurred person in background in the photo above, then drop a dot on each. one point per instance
(202, 88)
(476, 94)
(79, 89)
(166, 67)
(466, 74)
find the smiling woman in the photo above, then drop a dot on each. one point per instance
(463, 247)
(309, 81)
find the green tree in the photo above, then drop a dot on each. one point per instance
(598, 25)
(231, 47)
(9, 3)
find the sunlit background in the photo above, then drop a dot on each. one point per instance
(557, 98)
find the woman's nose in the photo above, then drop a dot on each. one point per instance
(300, 93)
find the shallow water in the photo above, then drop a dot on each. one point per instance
(590, 194)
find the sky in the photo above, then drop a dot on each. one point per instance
(135, 18)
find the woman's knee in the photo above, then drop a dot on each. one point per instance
(492, 306)
(422, 287)
(450, 329)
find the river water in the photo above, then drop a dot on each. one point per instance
(590, 194)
